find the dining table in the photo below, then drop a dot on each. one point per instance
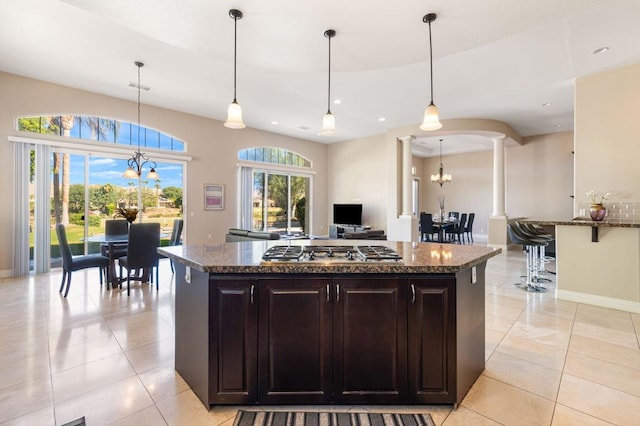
(442, 225)
(111, 242)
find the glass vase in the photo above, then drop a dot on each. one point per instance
(597, 212)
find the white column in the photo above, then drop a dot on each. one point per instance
(407, 199)
(498, 176)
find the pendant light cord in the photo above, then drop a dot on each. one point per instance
(235, 49)
(139, 65)
(431, 63)
(329, 85)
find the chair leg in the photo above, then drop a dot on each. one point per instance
(64, 276)
(157, 276)
(68, 283)
(128, 282)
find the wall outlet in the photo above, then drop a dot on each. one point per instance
(187, 275)
(474, 277)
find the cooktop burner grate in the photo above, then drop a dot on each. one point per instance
(283, 253)
(378, 253)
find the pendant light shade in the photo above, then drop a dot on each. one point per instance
(431, 120)
(328, 120)
(234, 112)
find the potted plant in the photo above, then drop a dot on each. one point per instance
(597, 210)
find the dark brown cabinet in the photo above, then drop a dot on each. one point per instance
(431, 341)
(370, 340)
(320, 339)
(234, 341)
(295, 341)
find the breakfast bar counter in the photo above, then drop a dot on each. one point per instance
(598, 263)
(330, 325)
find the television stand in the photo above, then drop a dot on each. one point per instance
(337, 231)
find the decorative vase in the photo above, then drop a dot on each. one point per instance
(597, 212)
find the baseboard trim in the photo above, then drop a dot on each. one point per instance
(5, 273)
(602, 301)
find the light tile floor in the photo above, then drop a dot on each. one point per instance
(109, 357)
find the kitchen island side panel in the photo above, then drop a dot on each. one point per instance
(470, 328)
(193, 329)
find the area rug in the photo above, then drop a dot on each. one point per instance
(308, 418)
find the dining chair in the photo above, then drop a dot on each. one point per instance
(458, 229)
(175, 239)
(72, 263)
(450, 231)
(115, 227)
(468, 229)
(426, 227)
(142, 253)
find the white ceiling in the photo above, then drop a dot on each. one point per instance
(493, 59)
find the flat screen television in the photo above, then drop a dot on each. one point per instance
(347, 214)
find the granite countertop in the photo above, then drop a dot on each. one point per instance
(246, 257)
(586, 221)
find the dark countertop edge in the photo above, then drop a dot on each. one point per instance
(310, 268)
(585, 222)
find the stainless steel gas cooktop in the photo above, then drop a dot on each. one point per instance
(330, 253)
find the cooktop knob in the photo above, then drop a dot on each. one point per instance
(312, 255)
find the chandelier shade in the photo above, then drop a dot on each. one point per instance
(234, 112)
(431, 120)
(328, 120)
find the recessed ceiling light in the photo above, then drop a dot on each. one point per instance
(382, 119)
(275, 123)
(546, 104)
(556, 125)
(303, 128)
(337, 101)
(601, 50)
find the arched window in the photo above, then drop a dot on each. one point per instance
(272, 155)
(99, 129)
(275, 191)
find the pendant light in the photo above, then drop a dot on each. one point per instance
(234, 113)
(138, 160)
(441, 177)
(431, 120)
(328, 120)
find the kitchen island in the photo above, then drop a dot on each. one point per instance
(598, 263)
(329, 330)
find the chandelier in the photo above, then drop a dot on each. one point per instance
(139, 159)
(441, 177)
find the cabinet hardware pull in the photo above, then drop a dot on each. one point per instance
(328, 294)
(337, 292)
(253, 288)
(413, 293)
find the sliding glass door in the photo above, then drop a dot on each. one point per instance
(280, 202)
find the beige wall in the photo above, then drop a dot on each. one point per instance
(540, 177)
(357, 173)
(607, 134)
(539, 181)
(212, 146)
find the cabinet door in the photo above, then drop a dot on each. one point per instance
(431, 340)
(295, 341)
(370, 338)
(234, 341)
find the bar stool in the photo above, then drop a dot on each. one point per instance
(538, 232)
(530, 245)
(531, 232)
